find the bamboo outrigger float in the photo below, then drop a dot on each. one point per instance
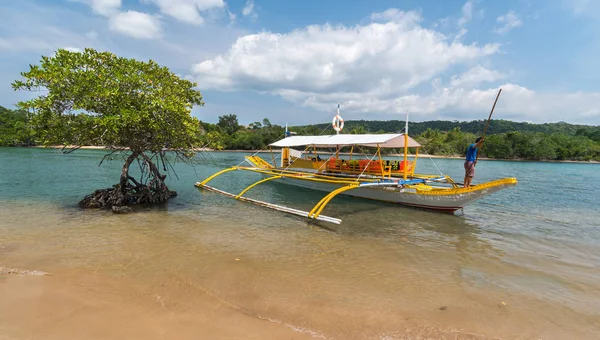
(371, 178)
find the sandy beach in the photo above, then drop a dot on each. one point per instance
(77, 305)
(71, 305)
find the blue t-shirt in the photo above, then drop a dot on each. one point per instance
(471, 153)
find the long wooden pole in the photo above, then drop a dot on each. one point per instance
(488, 121)
(491, 112)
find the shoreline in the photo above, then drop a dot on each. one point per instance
(95, 147)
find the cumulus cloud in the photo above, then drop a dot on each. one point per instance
(131, 23)
(509, 21)
(188, 11)
(378, 58)
(475, 76)
(136, 24)
(516, 103)
(398, 53)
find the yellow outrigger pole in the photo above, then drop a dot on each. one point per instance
(318, 209)
(255, 184)
(203, 183)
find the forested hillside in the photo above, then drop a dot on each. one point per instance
(505, 139)
(476, 126)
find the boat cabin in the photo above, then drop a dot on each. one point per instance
(347, 163)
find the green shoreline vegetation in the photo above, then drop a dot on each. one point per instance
(505, 140)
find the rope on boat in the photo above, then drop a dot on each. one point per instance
(365, 169)
(438, 169)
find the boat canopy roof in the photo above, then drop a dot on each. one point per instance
(391, 140)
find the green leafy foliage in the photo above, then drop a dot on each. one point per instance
(13, 128)
(229, 124)
(93, 97)
(228, 134)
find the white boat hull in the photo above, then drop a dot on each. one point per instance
(405, 196)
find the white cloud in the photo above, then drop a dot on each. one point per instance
(188, 11)
(467, 13)
(136, 24)
(249, 9)
(510, 20)
(475, 76)
(105, 7)
(378, 58)
(516, 103)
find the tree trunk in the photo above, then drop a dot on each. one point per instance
(129, 192)
(125, 171)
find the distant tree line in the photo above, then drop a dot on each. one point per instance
(13, 128)
(228, 134)
(505, 139)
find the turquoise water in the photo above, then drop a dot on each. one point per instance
(535, 246)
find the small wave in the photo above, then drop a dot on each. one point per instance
(22, 272)
(296, 328)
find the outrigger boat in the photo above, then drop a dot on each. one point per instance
(371, 178)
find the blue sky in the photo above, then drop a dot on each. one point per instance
(293, 61)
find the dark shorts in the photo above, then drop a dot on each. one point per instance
(469, 169)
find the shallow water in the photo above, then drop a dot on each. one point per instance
(522, 263)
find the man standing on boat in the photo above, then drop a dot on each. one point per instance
(471, 161)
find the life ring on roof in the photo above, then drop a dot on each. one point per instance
(338, 123)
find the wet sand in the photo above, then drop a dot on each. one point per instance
(80, 306)
(69, 305)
